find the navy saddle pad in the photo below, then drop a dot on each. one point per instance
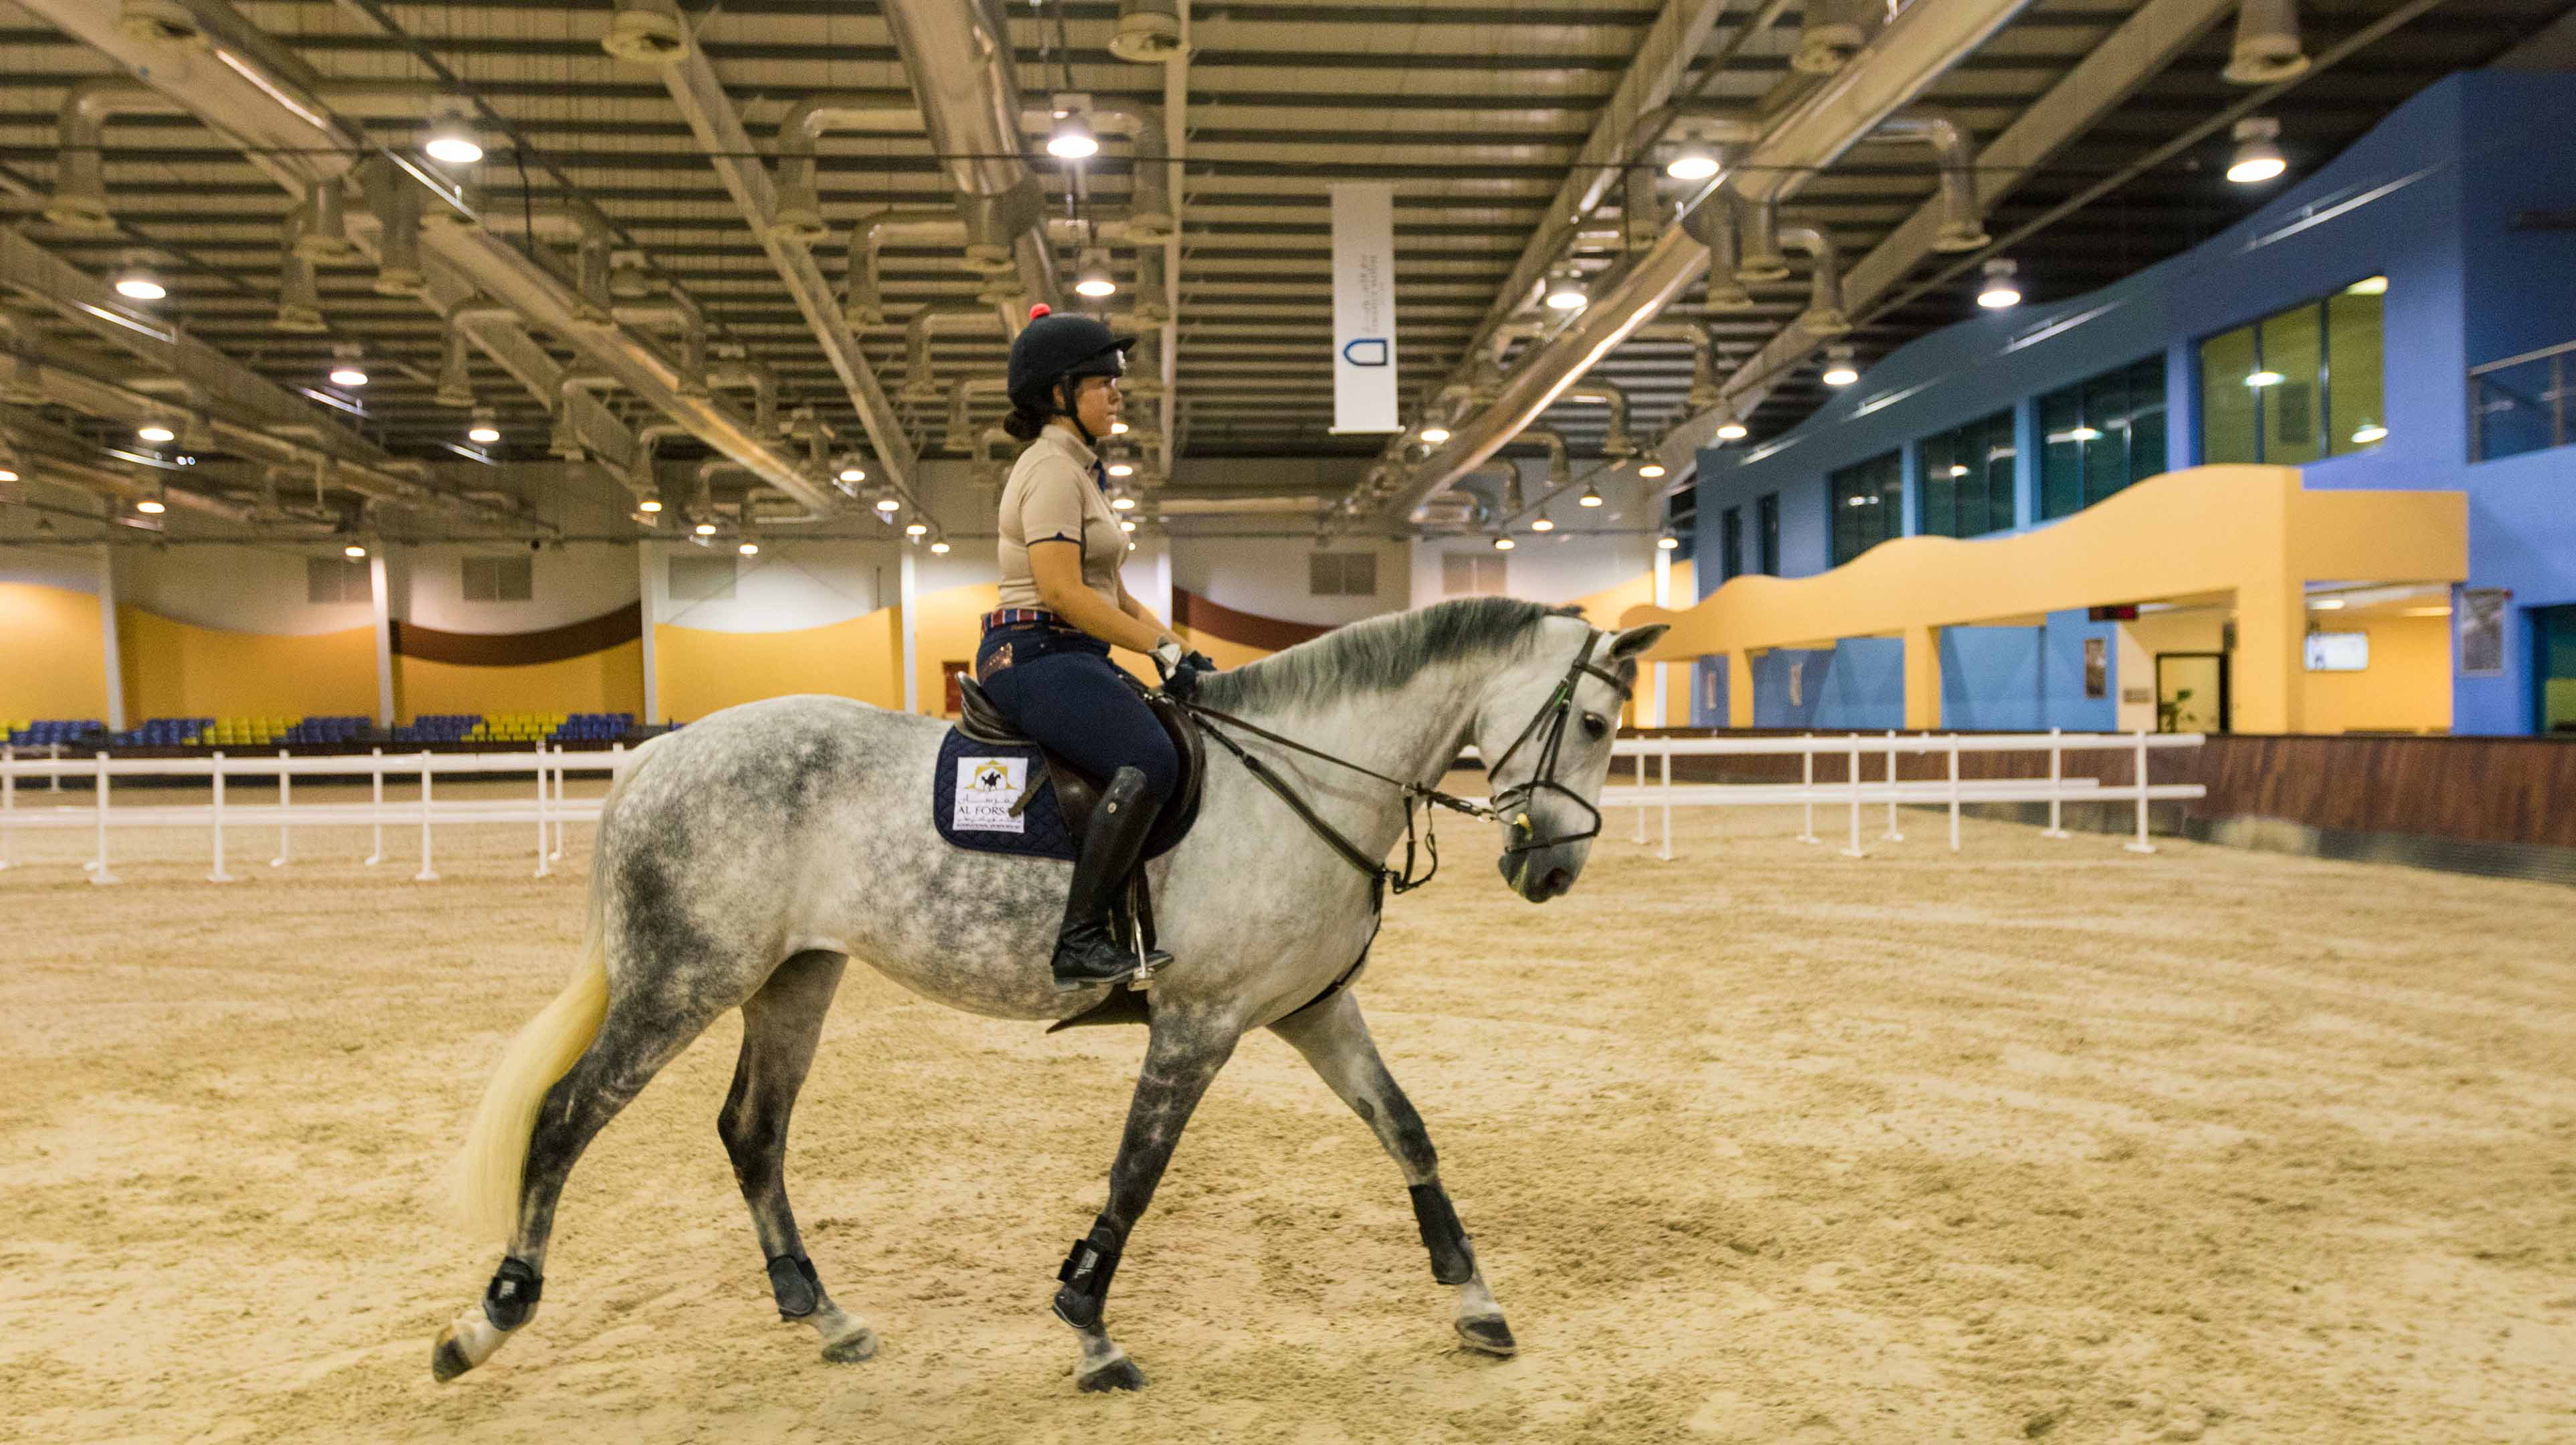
(974, 789)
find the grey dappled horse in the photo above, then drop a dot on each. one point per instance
(743, 861)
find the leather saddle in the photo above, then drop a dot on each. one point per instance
(1078, 792)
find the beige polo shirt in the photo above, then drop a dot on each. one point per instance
(1051, 495)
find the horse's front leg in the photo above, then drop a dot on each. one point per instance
(1187, 1049)
(1335, 1039)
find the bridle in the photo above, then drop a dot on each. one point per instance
(1551, 716)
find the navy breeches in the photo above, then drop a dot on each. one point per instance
(1061, 690)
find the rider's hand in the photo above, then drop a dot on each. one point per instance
(1183, 680)
(1167, 655)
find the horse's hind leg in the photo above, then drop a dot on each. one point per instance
(780, 1025)
(1335, 1039)
(640, 1033)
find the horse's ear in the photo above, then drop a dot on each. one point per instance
(1635, 641)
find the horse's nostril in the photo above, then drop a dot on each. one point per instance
(1558, 880)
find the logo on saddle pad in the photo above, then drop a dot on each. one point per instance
(987, 788)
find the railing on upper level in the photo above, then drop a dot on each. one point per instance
(2522, 403)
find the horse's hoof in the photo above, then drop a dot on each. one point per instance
(447, 1360)
(1118, 1374)
(849, 1349)
(1488, 1335)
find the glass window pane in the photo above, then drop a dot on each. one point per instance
(2356, 418)
(1731, 544)
(2061, 453)
(2002, 480)
(2294, 406)
(1766, 526)
(2105, 435)
(2147, 419)
(2227, 404)
(1936, 459)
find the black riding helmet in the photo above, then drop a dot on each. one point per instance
(1052, 356)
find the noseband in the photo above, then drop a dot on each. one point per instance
(1552, 716)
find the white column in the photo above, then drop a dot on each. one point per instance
(1152, 566)
(1663, 598)
(113, 654)
(911, 633)
(648, 592)
(381, 595)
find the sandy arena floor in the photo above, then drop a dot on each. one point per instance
(1764, 1145)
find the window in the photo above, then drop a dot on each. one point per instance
(1730, 556)
(2297, 386)
(497, 579)
(1766, 523)
(1869, 506)
(1967, 478)
(1342, 574)
(337, 579)
(2099, 435)
(702, 579)
(1472, 574)
(1681, 519)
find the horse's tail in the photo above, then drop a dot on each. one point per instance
(482, 1182)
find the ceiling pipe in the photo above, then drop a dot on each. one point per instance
(397, 206)
(299, 285)
(2267, 48)
(1615, 441)
(677, 313)
(579, 226)
(958, 56)
(918, 382)
(1824, 315)
(800, 201)
(1921, 43)
(49, 453)
(1832, 33)
(1757, 238)
(1963, 225)
(864, 304)
(763, 383)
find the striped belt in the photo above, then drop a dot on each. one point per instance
(1018, 616)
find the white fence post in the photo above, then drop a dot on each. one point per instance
(376, 790)
(54, 755)
(427, 874)
(1667, 854)
(219, 875)
(98, 871)
(285, 810)
(1641, 798)
(542, 868)
(2140, 844)
(1807, 771)
(8, 802)
(557, 854)
(1853, 851)
(2056, 786)
(1892, 835)
(1954, 792)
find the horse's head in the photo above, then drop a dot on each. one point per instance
(1544, 731)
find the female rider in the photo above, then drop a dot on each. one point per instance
(1044, 660)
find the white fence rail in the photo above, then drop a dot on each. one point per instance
(549, 808)
(1865, 784)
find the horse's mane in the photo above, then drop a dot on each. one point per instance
(1377, 654)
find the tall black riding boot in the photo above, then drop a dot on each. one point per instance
(1089, 951)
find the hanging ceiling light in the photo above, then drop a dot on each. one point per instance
(354, 551)
(1071, 138)
(1542, 523)
(916, 528)
(1650, 469)
(1591, 496)
(704, 529)
(2258, 157)
(1093, 278)
(481, 431)
(1126, 524)
(347, 374)
(854, 473)
(155, 432)
(1123, 502)
(151, 506)
(887, 503)
(1668, 541)
(2001, 288)
(137, 283)
(8, 474)
(1733, 431)
(649, 506)
(1693, 162)
(451, 141)
(1122, 469)
(2368, 432)
(1566, 291)
(1839, 370)
(1435, 434)
(1118, 428)
(748, 548)
(939, 545)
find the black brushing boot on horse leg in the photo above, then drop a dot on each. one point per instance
(1089, 952)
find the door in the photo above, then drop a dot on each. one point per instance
(2191, 692)
(2553, 650)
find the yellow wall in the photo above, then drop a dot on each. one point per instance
(2407, 684)
(947, 626)
(175, 669)
(53, 662)
(1604, 609)
(701, 671)
(609, 680)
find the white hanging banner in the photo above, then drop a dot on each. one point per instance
(1364, 307)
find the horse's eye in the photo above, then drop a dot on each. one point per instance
(1595, 726)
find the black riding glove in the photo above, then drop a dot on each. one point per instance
(1181, 670)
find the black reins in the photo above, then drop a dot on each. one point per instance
(1382, 879)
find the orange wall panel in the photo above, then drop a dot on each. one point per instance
(703, 671)
(609, 680)
(176, 669)
(53, 661)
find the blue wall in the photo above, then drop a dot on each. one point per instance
(2426, 199)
